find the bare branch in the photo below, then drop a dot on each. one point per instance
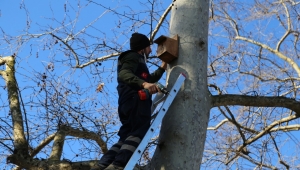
(280, 128)
(233, 121)
(276, 52)
(286, 128)
(262, 133)
(271, 79)
(117, 54)
(98, 59)
(293, 2)
(56, 163)
(42, 145)
(278, 152)
(256, 101)
(88, 25)
(216, 88)
(9, 148)
(218, 125)
(115, 11)
(233, 23)
(69, 47)
(86, 135)
(238, 126)
(58, 145)
(36, 164)
(260, 164)
(288, 31)
(161, 20)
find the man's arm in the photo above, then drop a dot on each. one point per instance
(156, 75)
(129, 67)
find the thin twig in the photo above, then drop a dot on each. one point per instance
(161, 20)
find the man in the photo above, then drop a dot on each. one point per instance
(134, 114)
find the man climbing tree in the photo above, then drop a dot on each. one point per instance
(134, 112)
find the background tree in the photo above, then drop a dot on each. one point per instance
(253, 81)
(254, 52)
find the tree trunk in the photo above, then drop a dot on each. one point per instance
(183, 131)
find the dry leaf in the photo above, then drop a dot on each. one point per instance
(100, 87)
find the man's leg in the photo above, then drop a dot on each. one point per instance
(140, 122)
(109, 156)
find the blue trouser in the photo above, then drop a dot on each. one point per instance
(135, 116)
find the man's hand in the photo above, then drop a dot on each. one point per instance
(152, 88)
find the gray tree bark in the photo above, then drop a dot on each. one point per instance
(183, 130)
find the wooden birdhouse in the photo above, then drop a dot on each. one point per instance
(167, 48)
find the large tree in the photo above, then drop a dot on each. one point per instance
(183, 131)
(242, 81)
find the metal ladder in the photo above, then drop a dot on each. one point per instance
(163, 110)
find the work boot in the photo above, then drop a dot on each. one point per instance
(114, 167)
(99, 167)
